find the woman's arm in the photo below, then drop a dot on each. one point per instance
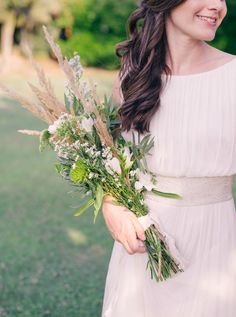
(123, 226)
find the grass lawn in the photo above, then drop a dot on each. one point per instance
(51, 262)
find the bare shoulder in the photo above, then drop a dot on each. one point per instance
(116, 91)
(220, 57)
(226, 57)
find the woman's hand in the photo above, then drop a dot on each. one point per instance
(123, 226)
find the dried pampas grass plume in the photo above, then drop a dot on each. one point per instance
(52, 102)
(88, 105)
(35, 109)
(30, 132)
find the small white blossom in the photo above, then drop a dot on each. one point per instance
(76, 145)
(85, 144)
(53, 127)
(132, 173)
(74, 62)
(57, 124)
(127, 154)
(113, 165)
(138, 186)
(97, 154)
(145, 180)
(68, 92)
(91, 175)
(106, 153)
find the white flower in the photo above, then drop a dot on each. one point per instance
(128, 162)
(53, 127)
(76, 66)
(145, 180)
(91, 175)
(76, 144)
(87, 124)
(138, 186)
(56, 124)
(113, 165)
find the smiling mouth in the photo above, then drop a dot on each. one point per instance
(210, 20)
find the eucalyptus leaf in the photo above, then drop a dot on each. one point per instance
(67, 103)
(98, 201)
(167, 195)
(84, 207)
(59, 167)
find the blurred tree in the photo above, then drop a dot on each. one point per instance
(226, 34)
(26, 15)
(98, 26)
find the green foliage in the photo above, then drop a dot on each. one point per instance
(95, 49)
(44, 140)
(61, 167)
(226, 34)
(79, 172)
(84, 207)
(140, 148)
(98, 26)
(66, 129)
(28, 11)
(98, 201)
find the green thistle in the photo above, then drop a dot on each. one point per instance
(79, 172)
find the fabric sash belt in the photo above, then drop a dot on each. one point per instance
(194, 190)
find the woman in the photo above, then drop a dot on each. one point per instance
(193, 119)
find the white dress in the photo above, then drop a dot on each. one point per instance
(195, 136)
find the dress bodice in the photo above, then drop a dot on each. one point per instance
(195, 127)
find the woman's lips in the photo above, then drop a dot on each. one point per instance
(209, 21)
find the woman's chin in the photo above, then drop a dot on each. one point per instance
(207, 37)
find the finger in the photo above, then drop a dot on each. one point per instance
(141, 247)
(130, 236)
(127, 247)
(140, 232)
(138, 226)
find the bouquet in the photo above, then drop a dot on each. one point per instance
(93, 155)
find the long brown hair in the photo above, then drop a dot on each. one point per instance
(143, 60)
